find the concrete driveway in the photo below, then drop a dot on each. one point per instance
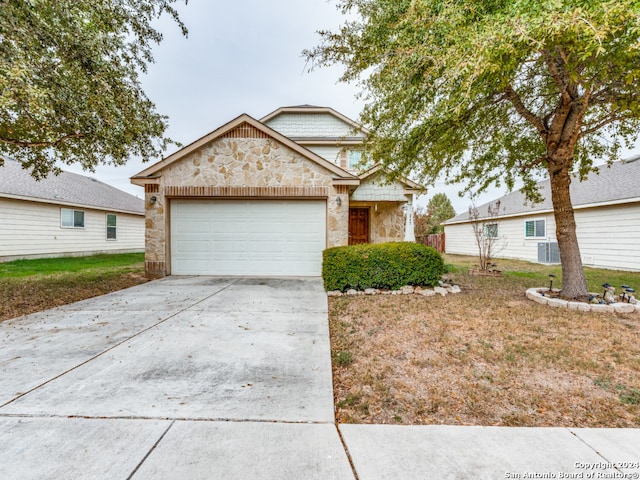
(216, 378)
(185, 377)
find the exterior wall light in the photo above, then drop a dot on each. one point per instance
(338, 200)
(153, 200)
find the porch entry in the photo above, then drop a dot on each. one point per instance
(358, 226)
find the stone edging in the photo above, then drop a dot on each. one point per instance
(618, 307)
(406, 290)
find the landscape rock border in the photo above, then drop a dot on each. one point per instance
(618, 307)
(443, 290)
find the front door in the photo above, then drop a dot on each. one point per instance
(358, 226)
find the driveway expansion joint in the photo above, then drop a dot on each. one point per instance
(153, 447)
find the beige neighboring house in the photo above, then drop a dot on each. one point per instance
(266, 197)
(607, 213)
(65, 215)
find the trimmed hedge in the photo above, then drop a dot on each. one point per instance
(383, 265)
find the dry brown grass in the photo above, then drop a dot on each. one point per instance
(487, 356)
(21, 296)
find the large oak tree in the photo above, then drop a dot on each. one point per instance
(69, 82)
(492, 92)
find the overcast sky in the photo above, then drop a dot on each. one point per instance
(240, 57)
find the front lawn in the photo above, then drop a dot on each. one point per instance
(28, 286)
(487, 356)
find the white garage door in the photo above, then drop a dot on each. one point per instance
(247, 237)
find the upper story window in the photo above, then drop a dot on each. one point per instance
(354, 157)
(70, 218)
(535, 228)
(112, 228)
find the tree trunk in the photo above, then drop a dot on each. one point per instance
(574, 283)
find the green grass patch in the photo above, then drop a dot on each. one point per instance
(537, 275)
(28, 286)
(52, 266)
(343, 358)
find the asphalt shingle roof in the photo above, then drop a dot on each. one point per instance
(616, 183)
(66, 189)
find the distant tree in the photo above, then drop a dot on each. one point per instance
(439, 209)
(421, 225)
(490, 91)
(69, 82)
(427, 220)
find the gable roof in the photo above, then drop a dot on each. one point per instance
(155, 169)
(314, 109)
(619, 183)
(67, 188)
(378, 168)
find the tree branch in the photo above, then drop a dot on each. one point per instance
(527, 114)
(23, 143)
(534, 163)
(580, 116)
(613, 117)
(558, 78)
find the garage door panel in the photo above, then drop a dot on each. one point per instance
(190, 246)
(247, 237)
(194, 227)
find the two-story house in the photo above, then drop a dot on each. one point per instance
(266, 197)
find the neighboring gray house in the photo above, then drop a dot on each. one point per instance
(266, 197)
(607, 212)
(65, 215)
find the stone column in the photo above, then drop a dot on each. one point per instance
(409, 232)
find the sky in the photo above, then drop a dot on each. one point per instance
(240, 57)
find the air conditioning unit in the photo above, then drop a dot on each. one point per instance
(548, 252)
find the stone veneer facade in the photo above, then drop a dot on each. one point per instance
(231, 167)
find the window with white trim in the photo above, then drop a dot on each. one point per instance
(70, 218)
(112, 226)
(535, 228)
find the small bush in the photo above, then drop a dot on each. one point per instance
(343, 358)
(383, 265)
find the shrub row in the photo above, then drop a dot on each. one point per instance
(383, 265)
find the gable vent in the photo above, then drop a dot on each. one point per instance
(245, 130)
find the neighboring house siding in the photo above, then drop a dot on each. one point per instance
(311, 125)
(608, 237)
(32, 229)
(511, 243)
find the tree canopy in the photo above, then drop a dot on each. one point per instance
(69, 82)
(495, 91)
(438, 210)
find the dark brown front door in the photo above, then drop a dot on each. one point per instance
(358, 226)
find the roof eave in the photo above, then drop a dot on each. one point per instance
(346, 181)
(69, 204)
(415, 187)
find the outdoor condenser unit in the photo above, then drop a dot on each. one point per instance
(548, 252)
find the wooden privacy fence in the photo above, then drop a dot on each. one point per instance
(435, 240)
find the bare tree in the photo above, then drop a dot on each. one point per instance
(485, 230)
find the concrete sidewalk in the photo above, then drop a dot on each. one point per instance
(218, 378)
